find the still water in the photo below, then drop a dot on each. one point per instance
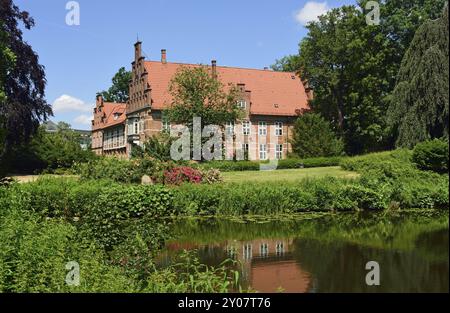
(326, 253)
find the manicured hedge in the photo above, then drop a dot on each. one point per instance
(290, 163)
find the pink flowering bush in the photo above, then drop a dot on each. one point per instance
(182, 174)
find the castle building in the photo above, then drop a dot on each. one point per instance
(271, 100)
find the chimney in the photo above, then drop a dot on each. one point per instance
(214, 68)
(163, 56)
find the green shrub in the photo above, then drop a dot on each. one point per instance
(34, 253)
(290, 163)
(432, 155)
(116, 208)
(122, 171)
(56, 196)
(313, 137)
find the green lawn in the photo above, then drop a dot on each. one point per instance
(287, 175)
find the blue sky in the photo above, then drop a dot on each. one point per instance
(81, 60)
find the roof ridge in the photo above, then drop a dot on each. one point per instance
(225, 66)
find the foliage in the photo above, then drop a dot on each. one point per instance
(290, 163)
(408, 186)
(50, 151)
(114, 242)
(182, 174)
(313, 137)
(23, 105)
(34, 252)
(419, 102)
(158, 147)
(189, 275)
(211, 176)
(122, 171)
(432, 155)
(119, 91)
(6, 62)
(352, 66)
(288, 63)
(109, 218)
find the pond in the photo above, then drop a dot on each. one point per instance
(323, 252)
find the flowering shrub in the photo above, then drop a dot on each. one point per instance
(182, 174)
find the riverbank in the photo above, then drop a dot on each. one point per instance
(116, 231)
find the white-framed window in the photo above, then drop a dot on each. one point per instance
(141, 126)
(246, 127)
(279, 152)
(279, 249)
(263, 152)
(264, 250)
(262, 128)
(242, 104)
(229, 128)
(247, 251)
(278, 129)
(136, 127)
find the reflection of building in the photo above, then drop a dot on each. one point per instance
(266, 265)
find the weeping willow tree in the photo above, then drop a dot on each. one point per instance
(419, 103)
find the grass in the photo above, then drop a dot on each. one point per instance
(287, 175)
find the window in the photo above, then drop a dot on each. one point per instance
(262, 152)
(279, 152)
(136, 127)
(247, 251)
(262, 128)
(245, 150)
(229, 128)
(242, 104)
(246, 128)
(278, 129)
(141, 126)
(264, 250)
(279, 249)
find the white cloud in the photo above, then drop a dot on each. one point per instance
(311, 11)
(83, 119)
(67, 103)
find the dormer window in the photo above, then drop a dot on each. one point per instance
(116, 116)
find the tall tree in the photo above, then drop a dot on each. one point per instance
(24, 105)
(119, 91)
(196, 93)
(288, 63)
(419, 108)
(352, 66)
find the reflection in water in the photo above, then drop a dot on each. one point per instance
(412, 252)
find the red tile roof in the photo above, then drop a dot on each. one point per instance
(110, 109)
(272, 93)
